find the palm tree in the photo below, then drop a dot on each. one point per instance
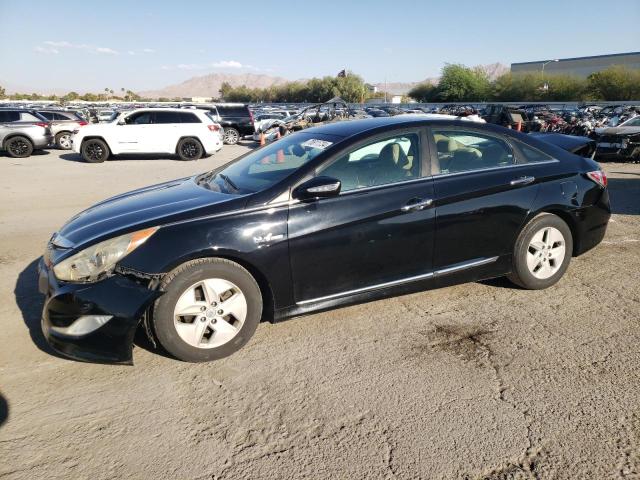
(106, 93)
(123, 94)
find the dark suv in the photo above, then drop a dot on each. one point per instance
(235, 118)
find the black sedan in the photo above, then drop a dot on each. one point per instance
(329, 216)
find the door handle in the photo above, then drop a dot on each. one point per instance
(416, 205)
(522, 181)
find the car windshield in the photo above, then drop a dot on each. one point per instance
(267, 166)
(633, 122)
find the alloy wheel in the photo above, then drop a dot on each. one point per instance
(18, 147)
(94, 151)
(210, 313)
(546, 252)
(230, 136)
(65, 141)
(189, 149)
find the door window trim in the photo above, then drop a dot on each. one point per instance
(517, 155)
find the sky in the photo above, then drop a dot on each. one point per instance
(139, 45)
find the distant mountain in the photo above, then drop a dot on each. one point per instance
(209, 85)
(493, 70)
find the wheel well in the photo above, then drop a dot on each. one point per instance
(96, 137)
(63, 131)
(268, 306)
(571, 223)
(14, 135)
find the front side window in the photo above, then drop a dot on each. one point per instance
(462, 151)
(392, 160)
(268, 165)
(142, 118)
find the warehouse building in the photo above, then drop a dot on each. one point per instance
(578, 66)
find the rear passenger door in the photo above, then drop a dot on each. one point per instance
(483, 193)
(166, 131)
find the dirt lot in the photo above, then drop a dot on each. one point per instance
(475, 381)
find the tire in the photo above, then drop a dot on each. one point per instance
(187, 322)
(18, 147)
(189, 149)
(231, 136)
(95, 150)
(542, 252)
(63, 140)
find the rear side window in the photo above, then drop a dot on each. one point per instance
(462, 151)
(186, 117)
(9, 116)
(233, 111)
(166, 117)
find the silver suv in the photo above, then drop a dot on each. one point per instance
(22, 131)
(63, 123)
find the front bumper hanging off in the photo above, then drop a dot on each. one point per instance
(93, 322)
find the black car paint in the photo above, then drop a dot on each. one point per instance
(316, 255)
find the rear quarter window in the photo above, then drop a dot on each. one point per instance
(532, 155)
(186, 117)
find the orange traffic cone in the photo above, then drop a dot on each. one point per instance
(280, 156)
(262, 142)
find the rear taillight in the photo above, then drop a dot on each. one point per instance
(82, 123)
(42, 124)
(599, 177)
(214, 128)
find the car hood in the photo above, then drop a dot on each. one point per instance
(146, 207)
(618, 131)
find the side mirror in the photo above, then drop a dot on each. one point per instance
(122, 121)
(317, 187)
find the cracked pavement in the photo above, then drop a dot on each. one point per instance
(475, 381)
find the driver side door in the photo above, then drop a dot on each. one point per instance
(378, 232)
(133, 136)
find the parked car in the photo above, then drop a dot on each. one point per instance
(22, 131)
(106, 116)
(190, 134)
(622, 141)
(63, 123)
(236, 119)
(338, 214)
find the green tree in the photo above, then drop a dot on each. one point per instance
(3, 93)
(614, 83)
(462, 84)
(423, 92)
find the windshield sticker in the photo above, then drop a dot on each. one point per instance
(315, 143)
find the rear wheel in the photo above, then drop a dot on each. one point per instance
(18, 147)
(210, 310)
(231, 136)
(189, 149)
(63, 140)
(94, 150)
(542, 252)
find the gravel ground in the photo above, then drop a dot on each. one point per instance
(480, 380)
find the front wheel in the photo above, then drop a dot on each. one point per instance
(94, 150)
(211, 308)
(542, 252)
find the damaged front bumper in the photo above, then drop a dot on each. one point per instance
(94, 322)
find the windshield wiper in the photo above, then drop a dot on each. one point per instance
(204, 178)
(228, 181)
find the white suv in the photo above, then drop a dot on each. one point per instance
(190, 134)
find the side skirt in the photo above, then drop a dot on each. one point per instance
(475, 270)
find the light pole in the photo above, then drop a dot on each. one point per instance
(544, 64)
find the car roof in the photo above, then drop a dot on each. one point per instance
(354, 127)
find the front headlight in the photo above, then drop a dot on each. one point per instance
(90, 263)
